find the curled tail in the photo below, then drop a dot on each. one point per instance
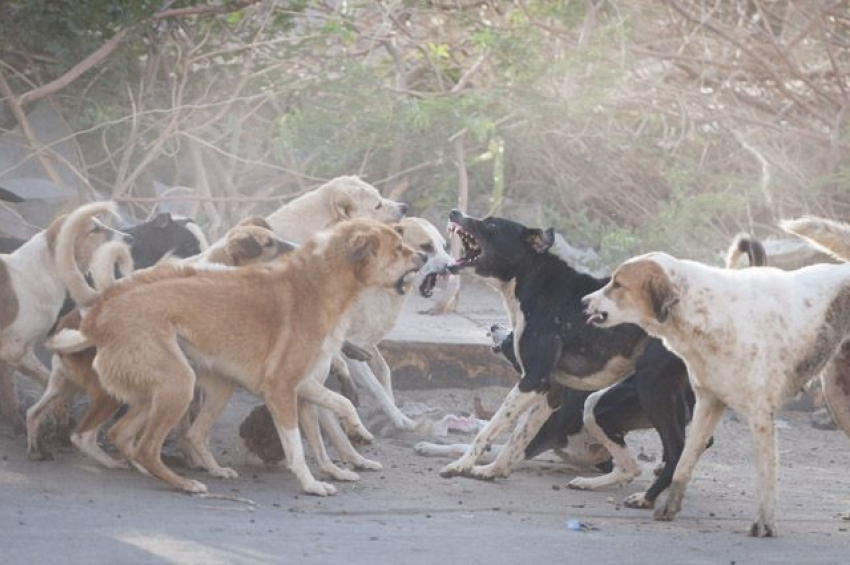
(746, 244)
(75, 226)
(827, 235)
(106, 258)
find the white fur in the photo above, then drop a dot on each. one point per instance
(742, 334)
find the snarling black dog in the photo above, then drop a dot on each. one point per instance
(552, 341)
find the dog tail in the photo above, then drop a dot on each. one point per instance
(827, 235)
(69, 341)
(744, 244)
(75, 226)
(107, 257)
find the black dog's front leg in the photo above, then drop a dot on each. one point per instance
(503, 342)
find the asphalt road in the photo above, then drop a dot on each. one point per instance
(71, 511)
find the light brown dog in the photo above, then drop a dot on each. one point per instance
(245, 244)
(271, 329)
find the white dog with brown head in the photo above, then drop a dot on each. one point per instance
(750, 338)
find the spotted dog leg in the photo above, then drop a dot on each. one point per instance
(515, 404)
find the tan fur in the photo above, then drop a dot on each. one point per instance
(74, 365)
(641, 283)
(827, 235)
(286, 313)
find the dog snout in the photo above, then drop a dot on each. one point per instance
(455, 215)
(420, 259)
(403, 208)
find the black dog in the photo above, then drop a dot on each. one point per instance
(552, 341)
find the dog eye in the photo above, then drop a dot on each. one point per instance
(378, 206)
(269, 243)
(427, 248)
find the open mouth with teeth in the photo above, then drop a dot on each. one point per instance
(426, 288)
(403, 282)
(596, 317)
(471, 249)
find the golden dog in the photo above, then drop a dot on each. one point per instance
(270, 329)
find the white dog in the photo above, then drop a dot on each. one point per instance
(750, 338)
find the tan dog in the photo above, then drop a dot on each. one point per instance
(271, 329)
(31, 296)
(245, 244)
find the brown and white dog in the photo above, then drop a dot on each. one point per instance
(271, 329)
(31, 297)
(750, 339)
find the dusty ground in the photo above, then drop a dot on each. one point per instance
(71, 511)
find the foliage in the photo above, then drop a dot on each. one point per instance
(628, 126)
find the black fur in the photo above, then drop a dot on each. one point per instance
(154, 239)
(556, 338)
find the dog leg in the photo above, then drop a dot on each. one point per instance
(217, 392)
(9, 398)
(283, 405)
(513, 452)
(626, 468)
(169, 401)
(33, 368)
(363, 374)
(84, 437)
(669, 416)
(308, 417)
(124, 432)
(382, 371)
(313, 391)
(707, 412)
(512, 408)
(340, 442)
(56, 387)
(763, 430)
(835, 382)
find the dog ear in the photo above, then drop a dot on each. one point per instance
(539, 240)
(162, 220)
(244, 246)
(343, 205)
(362, 246)
(662, 296)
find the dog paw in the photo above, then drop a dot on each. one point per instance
(638, 500)
(223, 473)
(319, 488)
(366, 464)
(360, 435)
(484, 473)
(404, 423)
(452, 470)
(581, 483)
(194, 487)
(762, 529)
(668, 511)
(423, 448)
(340, 474)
